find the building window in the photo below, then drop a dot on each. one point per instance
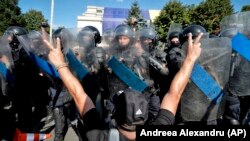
(99, 11)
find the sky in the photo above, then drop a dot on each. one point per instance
(66, 11)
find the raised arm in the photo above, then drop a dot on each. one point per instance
(172, 98)
(82, 100)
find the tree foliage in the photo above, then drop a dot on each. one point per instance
(172, 12)
(245, 8)
(209, 13)
(34, 19)
(135, 20)
(10, 14)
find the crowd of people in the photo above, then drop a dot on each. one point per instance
(103, 86)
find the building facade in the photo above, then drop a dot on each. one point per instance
(104, 18)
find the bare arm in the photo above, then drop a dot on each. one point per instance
(82, 100)
(172, 98)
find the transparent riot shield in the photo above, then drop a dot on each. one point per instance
(33, 43)
(6, 60)
(107, 39)
(5, 52)
(68, 42)
(128, 62)
(83, 46)
(230, 22)
(239, 21)
(203, 98)
(244, 17)
(82, 55)
(230, 33)
(240, 65)
(142, 54)
(38, 52)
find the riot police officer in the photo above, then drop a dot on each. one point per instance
(89, 53)
(213, 67)
(62, 104)
(124, 51)
(173, 50)
(173, 40)
(7, 120)
(93, 58)
(135, 58)
(237, 100)
(30, 88)
(158, 70)
(174, 56)
(157, 60)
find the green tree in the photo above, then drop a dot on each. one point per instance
(10, 14)
(245, 8)
(34, 19)
(135, 20)
(209, 13)
(190, 12)
(172, 12)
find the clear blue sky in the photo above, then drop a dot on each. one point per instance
(66, 11)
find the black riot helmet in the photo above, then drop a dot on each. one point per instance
(65, 36)
(90, 31)
(148, 33)
(194, 29)
(36, 43)
(58, 33)
(13, 32)
(174, 34)
(123, 30)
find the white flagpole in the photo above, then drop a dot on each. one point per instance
(51, 20)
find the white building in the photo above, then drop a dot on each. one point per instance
(105, 17)
(93, 16)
